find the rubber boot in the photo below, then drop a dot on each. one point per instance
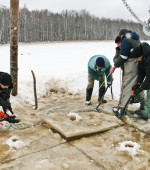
(139, 113)
(101, 93)
(88, 95)
(142, 104)
(134, 100)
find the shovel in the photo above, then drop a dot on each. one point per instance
(101, 99)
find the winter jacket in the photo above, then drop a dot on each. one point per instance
(144, 68)
(127, 44)
(117, 54)
(96, 73)
(5, 95)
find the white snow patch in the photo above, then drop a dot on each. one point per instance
(74, 116)
(132, 148)
(15, 143)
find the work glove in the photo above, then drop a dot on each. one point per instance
(118, 48)
(101, 80)
(136, 86)
(109, 84)
(138, 90)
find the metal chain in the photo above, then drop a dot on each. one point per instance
(135, 16)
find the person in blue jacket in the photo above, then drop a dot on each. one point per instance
(98, 67)
(129, 41)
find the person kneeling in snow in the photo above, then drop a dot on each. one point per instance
(98, 67)
(143, 54)
(6, 86)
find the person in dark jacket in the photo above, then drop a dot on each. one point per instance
(98, 67)
(143, 83)
(129, 40)
(117, 54)
(6, 86)
(118, 43)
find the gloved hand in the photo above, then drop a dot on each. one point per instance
(136, 86)
(109, 83)
(101, 80)
(118, 48)
(138, 90)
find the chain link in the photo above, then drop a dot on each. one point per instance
(145, 25)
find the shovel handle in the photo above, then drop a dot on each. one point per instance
(101, 98)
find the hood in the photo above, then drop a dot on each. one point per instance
(146, 53)
(134, 36)
(146, 49)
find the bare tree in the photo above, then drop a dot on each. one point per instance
(43, 25)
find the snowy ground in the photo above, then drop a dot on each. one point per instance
(61, 63)
(64, 62)
(62, 67)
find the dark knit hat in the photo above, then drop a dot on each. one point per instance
(137, 52)
(5, 79)
(100, 62)
(123, 32)
(118, 39)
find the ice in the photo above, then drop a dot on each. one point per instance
(15, 143)
(74, 116)
(131, 147)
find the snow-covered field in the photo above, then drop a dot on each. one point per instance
(61, 63)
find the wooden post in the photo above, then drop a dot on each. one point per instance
(14, 23)
(34, 87)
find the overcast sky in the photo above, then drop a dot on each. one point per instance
(102, 8)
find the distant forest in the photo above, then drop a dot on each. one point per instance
(43, 25)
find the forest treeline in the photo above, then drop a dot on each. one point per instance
(43, 25)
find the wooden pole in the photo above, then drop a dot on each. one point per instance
(14, 22)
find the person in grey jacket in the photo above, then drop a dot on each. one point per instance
(98, 67)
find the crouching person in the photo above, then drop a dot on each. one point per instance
(98, 67)
(143, 54)
(6, 86)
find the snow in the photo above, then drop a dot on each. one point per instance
(131, 147)
(74, 116)
(59, 64)
(62, 63)
(15, 143)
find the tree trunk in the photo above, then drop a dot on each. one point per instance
(14, 20)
